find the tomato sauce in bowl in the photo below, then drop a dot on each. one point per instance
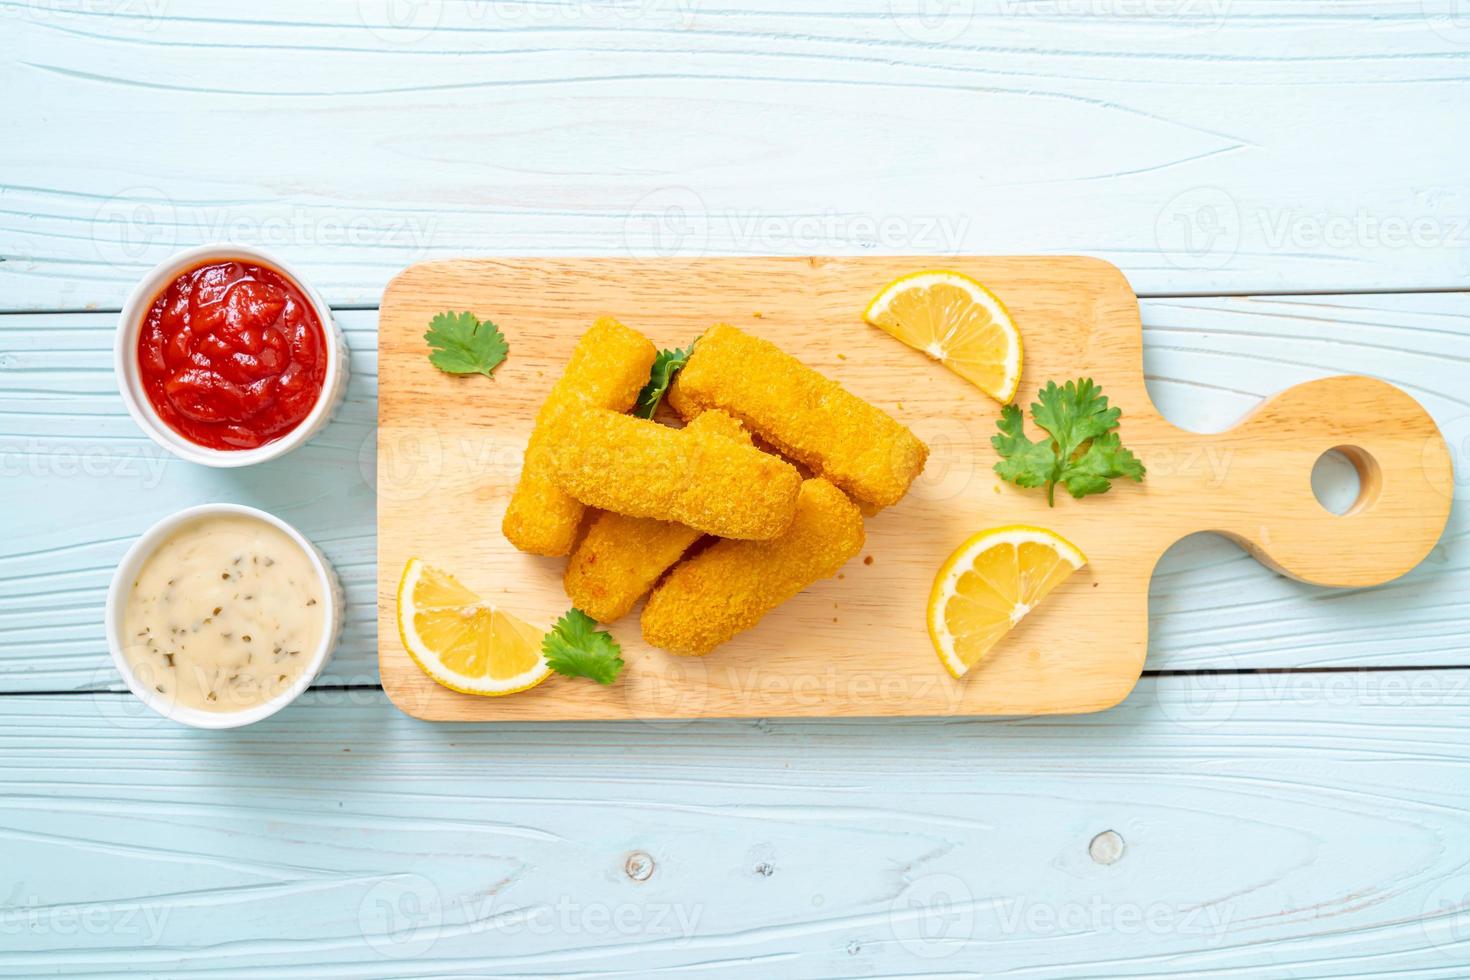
(232, 355)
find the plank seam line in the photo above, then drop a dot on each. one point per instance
(1203, 672)
(1249, 293)
(114, 311)
(335, 688)
(1207, 294)
(1385, 669)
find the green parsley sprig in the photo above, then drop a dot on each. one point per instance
(1084, 452)
(577, 648)
(461, 344)
(666, 364)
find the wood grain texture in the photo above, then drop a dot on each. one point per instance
(79, 482)
(449, 455)
(1274, 826)
(68, 448)
(1202, 147)
(1271, 826)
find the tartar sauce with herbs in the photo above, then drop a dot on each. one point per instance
(224, 615)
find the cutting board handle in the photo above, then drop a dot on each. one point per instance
(1265, 501)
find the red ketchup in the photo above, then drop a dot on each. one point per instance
(232, 355)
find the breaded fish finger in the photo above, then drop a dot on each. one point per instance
(609, 366)
(801, 413)
(640, 468)
(620, 557)
(729, 586)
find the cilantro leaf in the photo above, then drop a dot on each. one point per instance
(666, 364)
(1101, 461)
(577, 648)
(1023, 462)
(461, 344)
(1084, 452)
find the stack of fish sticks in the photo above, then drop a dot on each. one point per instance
(716, 531)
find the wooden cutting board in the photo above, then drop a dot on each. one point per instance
(450, 448)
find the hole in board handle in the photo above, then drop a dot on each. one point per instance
(1346, 480)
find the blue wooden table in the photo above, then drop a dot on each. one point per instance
(1284, 795)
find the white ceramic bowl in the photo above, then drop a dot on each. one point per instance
(127, 573)
(129, 380)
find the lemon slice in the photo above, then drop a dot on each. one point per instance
(463, 642)
(988, 584)
(956, 321)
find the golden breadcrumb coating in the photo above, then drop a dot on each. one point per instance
(801, 413)
(620, 557)
(609, 366)
(729, 586)
(640, 468)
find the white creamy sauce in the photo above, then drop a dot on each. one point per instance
(225, 614)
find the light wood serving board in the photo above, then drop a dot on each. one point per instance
(450, 448)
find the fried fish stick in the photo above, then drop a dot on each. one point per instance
(801, 413)
(640, 468)
(609, 366)
(620, 557)
(729, 586)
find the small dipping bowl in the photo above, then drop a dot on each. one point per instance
(131, 566)
(129, 371)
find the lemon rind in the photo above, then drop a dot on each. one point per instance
(418, 652)
(949, 574)
(981, 295)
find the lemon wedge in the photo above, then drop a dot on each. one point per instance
(956, 321)
(463, 642)
(988, 584)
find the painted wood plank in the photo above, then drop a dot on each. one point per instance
(78, 482)
(1253, 825)
(1202, 147)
